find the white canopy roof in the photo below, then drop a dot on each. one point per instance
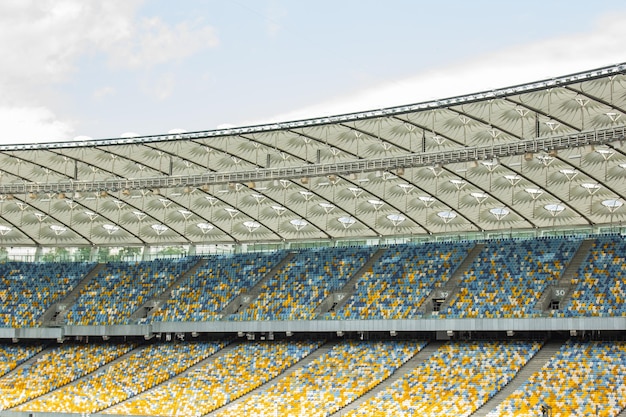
(545, 154)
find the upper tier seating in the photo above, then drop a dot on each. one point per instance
(203, 295)
(121, 288)
(28, 289)
(399, 282)
(600, 282)
(505, 280)
(508, 276)
(300, 286)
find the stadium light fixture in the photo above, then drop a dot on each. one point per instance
(396, 219)
(346, 222)
(298, 224)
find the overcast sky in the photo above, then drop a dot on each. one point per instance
(76, 68)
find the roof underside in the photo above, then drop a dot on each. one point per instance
(244, 184)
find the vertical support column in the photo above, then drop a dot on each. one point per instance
(37, 253)
(93, 254)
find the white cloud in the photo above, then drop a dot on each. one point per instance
(42, 41)
(44, 37)
(526, 63)
(103, 92)
(153, 42)
(160, 88)
(22, 124)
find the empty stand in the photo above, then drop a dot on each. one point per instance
(219, 380)
(599, 286)
(150, 399)
(581, 379)
(403, 370)
(295, 291)
(243, 300)
(454, 381)
(338, 299)
(120, 288)
(12, 356)
(401, 280)
(123, 377)
(556, 296)
(533, 365)
(348, 370)
(54, 368)
(55, 315)
(204, 295)
(28, 289)
(315, 355)
(141, 315)
(439, 298)
(508, 277)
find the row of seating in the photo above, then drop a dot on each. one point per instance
(506, 279)
(508, 276)
(121, 288)
(582, 379)
(54, 368)
(136, 372)
(398, 284)
(335, 379)
(600, 282)
(204, 294)
(219, 381)
(13, 355)
(457, 379)
(27, 290)
(302, 284)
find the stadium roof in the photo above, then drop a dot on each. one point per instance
(544, 154)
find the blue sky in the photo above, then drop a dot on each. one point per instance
(100, 69)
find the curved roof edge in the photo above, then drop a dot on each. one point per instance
(346, 117)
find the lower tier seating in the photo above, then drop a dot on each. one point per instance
(54, 368)
(140, 370)
(329, 382)
(582, 379)
(217, 382)
(454, 381)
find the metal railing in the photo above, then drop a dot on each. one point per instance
(466, 154)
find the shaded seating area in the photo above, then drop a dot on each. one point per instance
(399, 282)
(600, 282)
(507, 278)
(121, 288)
(299, 287)
(27, 289)
(203, 295)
